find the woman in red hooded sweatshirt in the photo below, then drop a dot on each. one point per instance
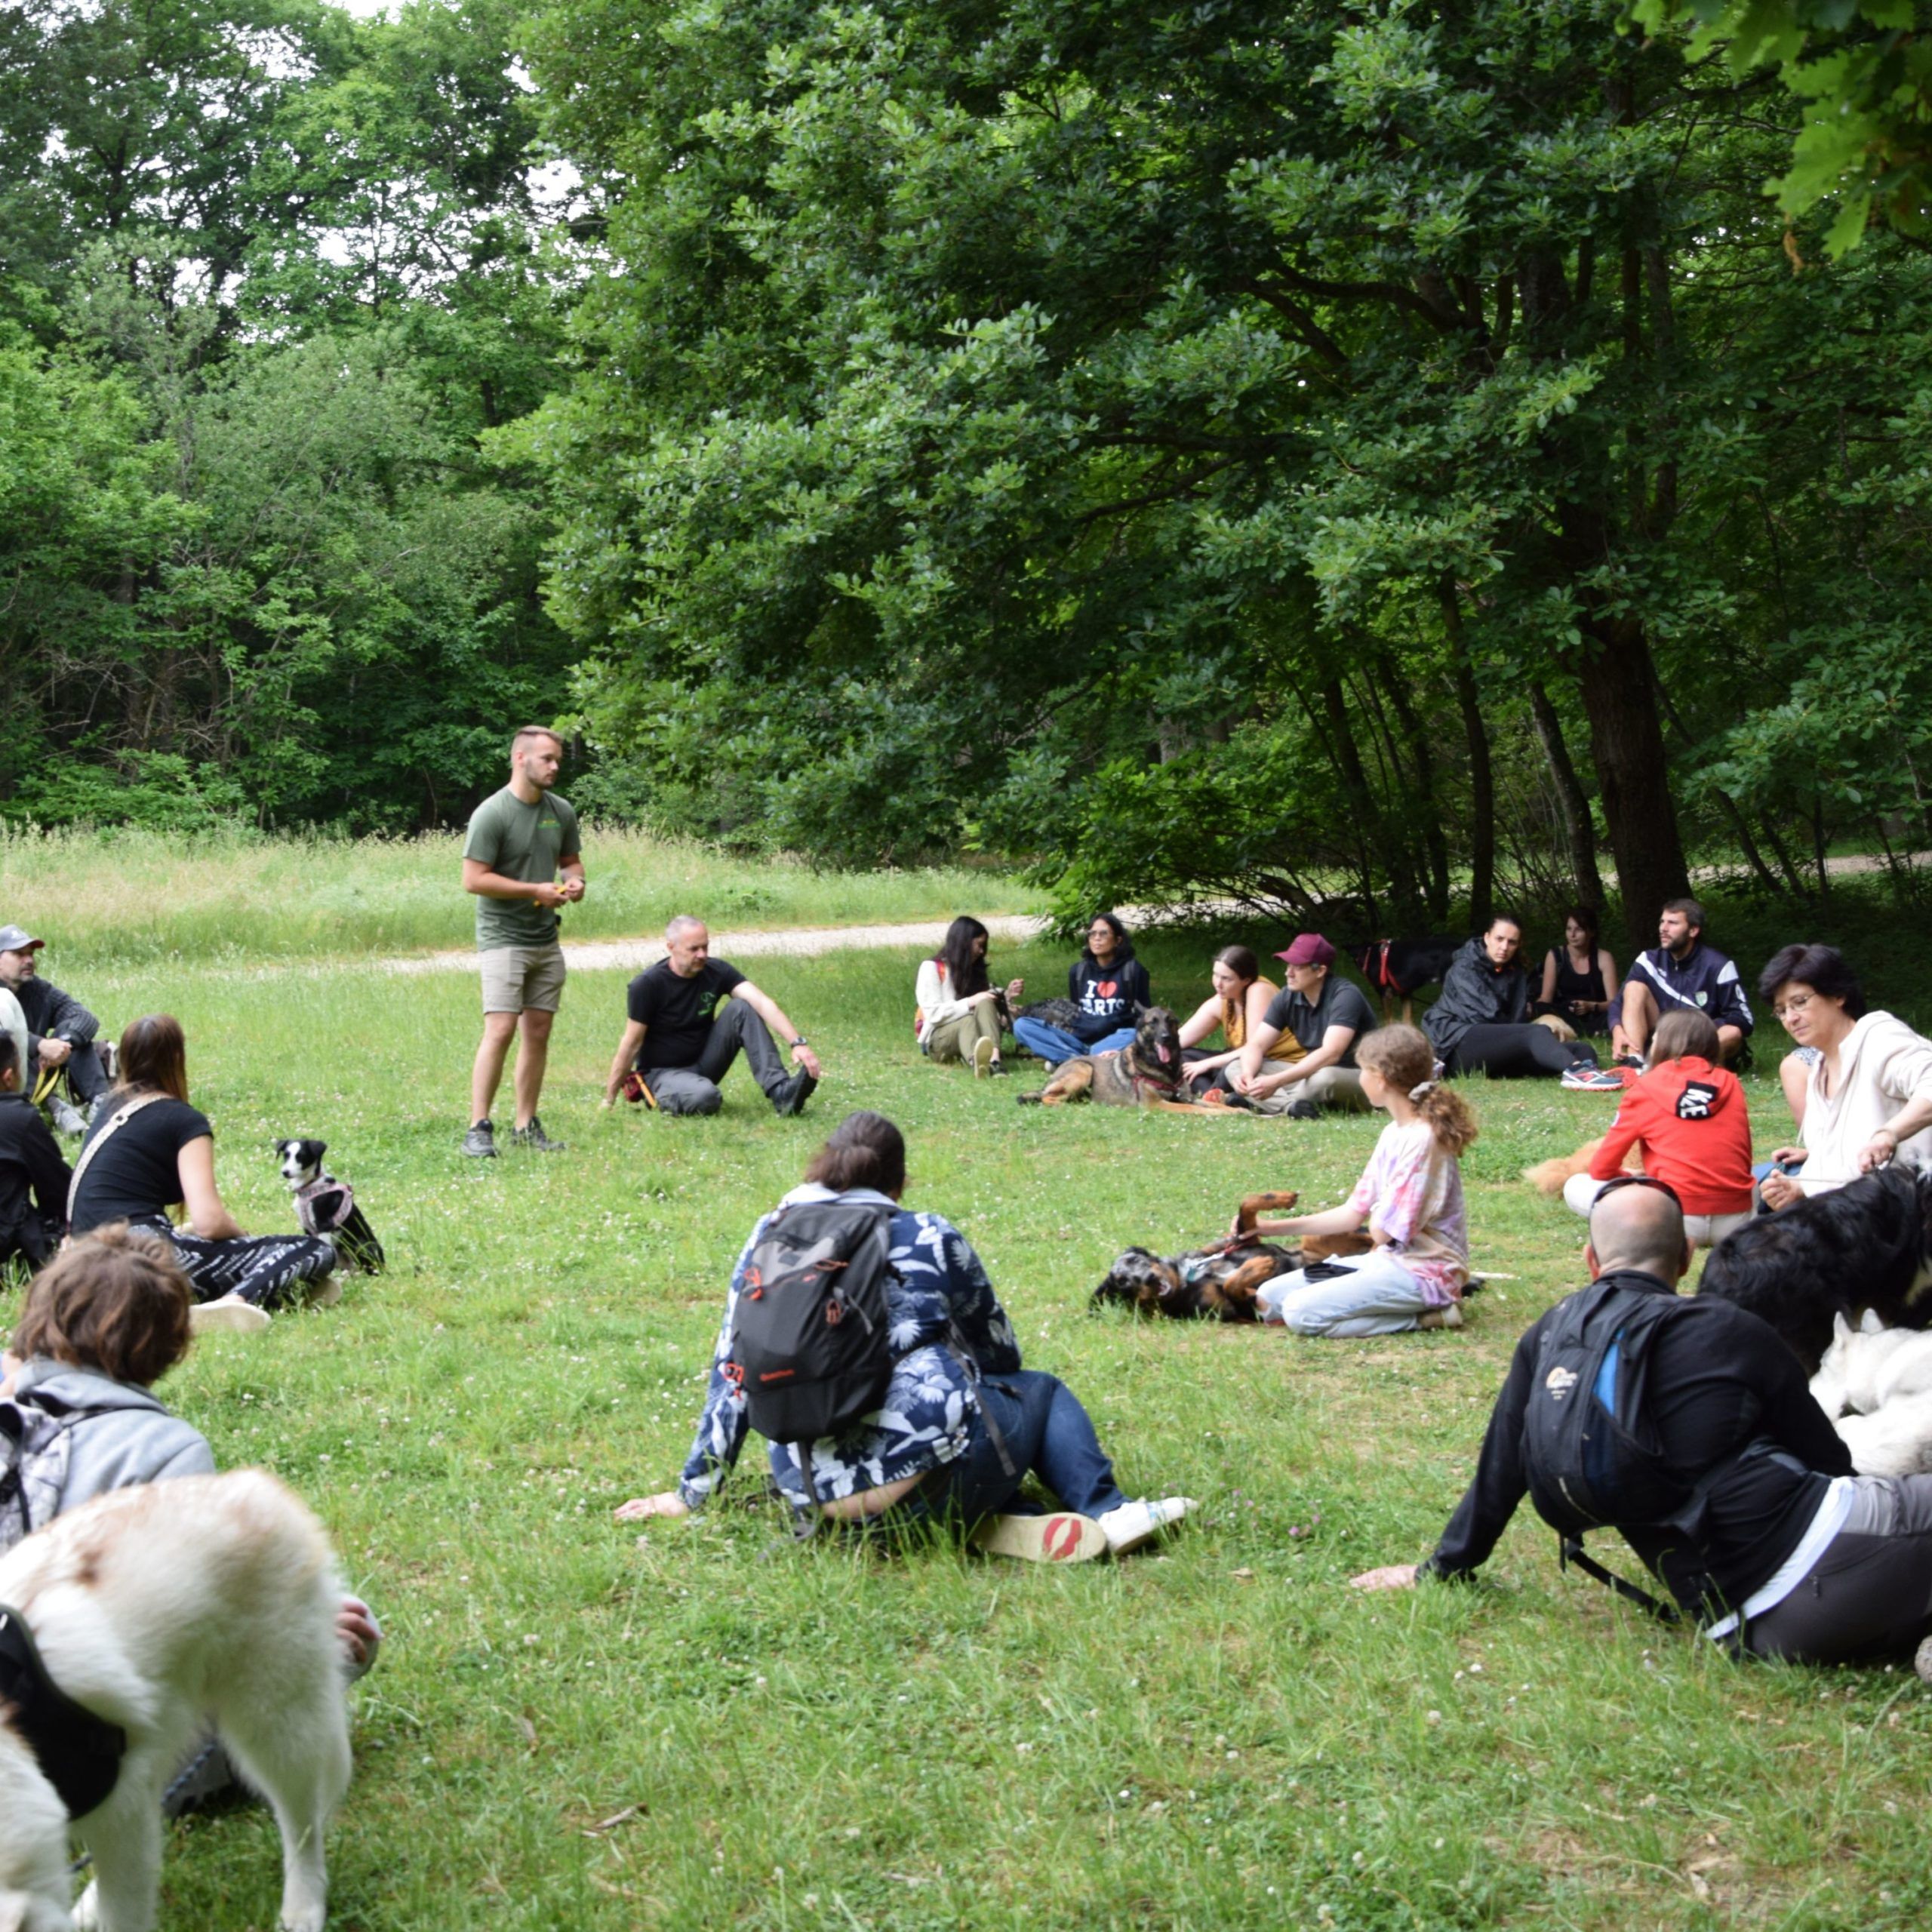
(1687, 1116)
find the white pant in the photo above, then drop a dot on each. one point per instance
(1378, 1295)
(1579, 1195)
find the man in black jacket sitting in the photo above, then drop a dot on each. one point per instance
(33, 1175)
(1803, 1559)
(60, 1031)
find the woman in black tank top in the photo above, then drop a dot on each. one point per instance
(1579, 977)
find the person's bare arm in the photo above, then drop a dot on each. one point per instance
(1608, 967)
(628, 1049)
(478, 878)
(768, 1010)
(1548, 995)
(1341, 1220)
(1248, 1078)
(193, 1167)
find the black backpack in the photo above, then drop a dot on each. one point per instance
(810, 1340)
(1591, 1456)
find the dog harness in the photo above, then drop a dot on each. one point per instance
(79, 1754)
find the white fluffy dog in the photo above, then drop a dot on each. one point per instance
(159, 1609)
(1894, 1440)
(1875, 1383)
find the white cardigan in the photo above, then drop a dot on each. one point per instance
(929, 996)
(1882, 1064)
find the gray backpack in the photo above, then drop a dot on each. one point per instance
(34, 1446)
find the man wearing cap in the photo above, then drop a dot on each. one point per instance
(1327, 1015)
(60, 1031)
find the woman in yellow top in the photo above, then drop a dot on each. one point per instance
(1233, 1009)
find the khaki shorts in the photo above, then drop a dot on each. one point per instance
(519, 978)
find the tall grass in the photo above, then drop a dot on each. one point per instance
(139, 897)
(574, 1725)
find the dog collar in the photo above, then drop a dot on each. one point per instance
(79, 1753)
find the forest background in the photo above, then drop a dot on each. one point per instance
(1386, 458)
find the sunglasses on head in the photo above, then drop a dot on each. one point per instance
(1610, 1186)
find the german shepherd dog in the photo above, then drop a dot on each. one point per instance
(1147, 1072)
(1403, 967)
(1218, 1282)
(1866, 1245)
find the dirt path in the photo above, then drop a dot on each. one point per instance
(797, 942)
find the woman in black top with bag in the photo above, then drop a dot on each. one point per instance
(1481, 1023)
(148, 1148)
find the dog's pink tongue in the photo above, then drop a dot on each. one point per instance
(1165, 1051)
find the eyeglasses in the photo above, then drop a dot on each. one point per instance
(1610, 1186)
(1797, 1003)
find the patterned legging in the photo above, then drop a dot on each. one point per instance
(261, 1268)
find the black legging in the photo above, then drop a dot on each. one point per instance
(1517, 1053)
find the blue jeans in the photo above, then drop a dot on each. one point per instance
(1047, 1434)
(1054, 1044)
(1377, 1296)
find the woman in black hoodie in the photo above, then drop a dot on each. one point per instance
(1480, 1023)
(1107, 985)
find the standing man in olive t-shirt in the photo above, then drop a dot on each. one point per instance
(520, 838)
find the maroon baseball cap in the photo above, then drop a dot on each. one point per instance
(1308, 949)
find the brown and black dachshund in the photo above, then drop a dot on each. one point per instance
(1218, 1283)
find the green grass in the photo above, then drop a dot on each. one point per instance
(1222, 1735)
(140, 898)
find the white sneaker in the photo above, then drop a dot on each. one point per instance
(1133, 1524)
(1922, 1663)
(1061, 1537)
(983, 1050)
(67, 1118)
(228, 1312)
(1448, 1317)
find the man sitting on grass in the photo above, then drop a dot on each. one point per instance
(1329, 1016)
(60, 1033)
(689, 1017)
(1796, 1557)
(1681, 971)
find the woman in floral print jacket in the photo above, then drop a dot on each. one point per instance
(962, 1424)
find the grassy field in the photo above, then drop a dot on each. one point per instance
(575, 1726)
(140, 899)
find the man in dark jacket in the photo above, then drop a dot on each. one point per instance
(1481, 1023)
(60, 1030)
(33, 1175)
(1804, 1560)
(1681, 971)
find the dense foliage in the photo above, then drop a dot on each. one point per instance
(1385, 451)
(267, 274)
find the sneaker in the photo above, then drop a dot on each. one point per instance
(997, 1069)
(1922, 1663)
(1450, 1317)
(1585, 1079)
(1629, 1060)
(1061, 1538)
(790, 1099)
(66, 1118)
(1133, 1524)
(480, 1142)
(229, 1313)
(984, 1053)
(1303, 1110)
(534, 1138)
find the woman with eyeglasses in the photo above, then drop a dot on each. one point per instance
(1867, 1097)
(1687, 1118)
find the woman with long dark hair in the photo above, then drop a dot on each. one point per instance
(1579, 977)
(956, 1012)
(147, 1149)
(1107, 985)
(961, 1424)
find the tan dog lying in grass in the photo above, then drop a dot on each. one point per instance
(155, 1609)
(1550, 1177)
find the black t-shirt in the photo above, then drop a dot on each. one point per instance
(1341, 1004)
(134, 1177)
(679, 1012)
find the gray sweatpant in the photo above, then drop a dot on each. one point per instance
(1376, 1295)
(693, 1089)
(1868, 1597)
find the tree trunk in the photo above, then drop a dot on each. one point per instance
(1626, 744)
(1435, 843)
(1482, 782)
(1576, 822)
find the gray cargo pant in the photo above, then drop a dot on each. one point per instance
(693, 1089)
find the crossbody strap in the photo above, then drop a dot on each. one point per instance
(112, 1126)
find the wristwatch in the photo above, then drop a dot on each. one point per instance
(801, 1042)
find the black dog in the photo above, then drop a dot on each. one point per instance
(1866, 1245)
(1402, 968)
(326, 1207)
(1064, 1013)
